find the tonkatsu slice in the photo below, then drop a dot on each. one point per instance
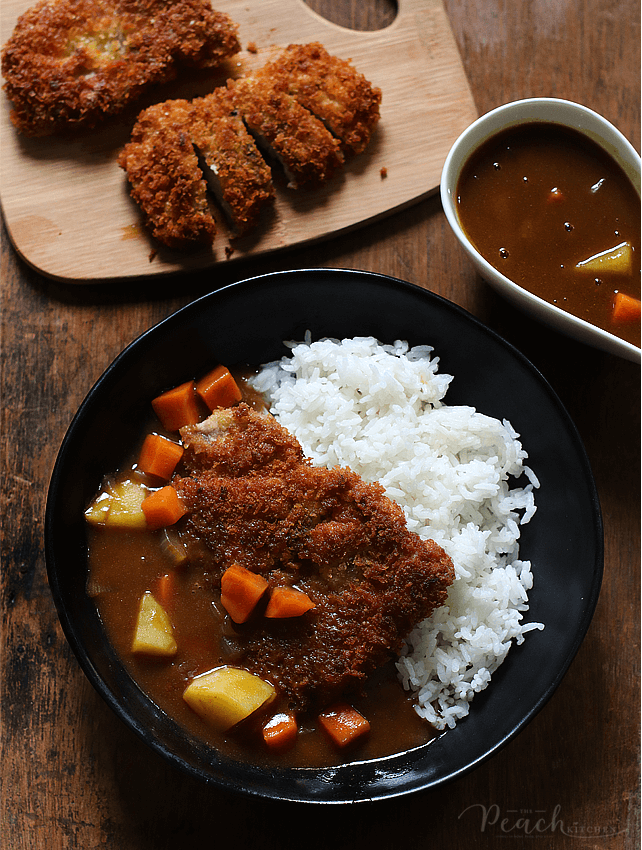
(286, 131)
(236, 173)
(165, 176)
(331, 88)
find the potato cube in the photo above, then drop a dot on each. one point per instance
(125, 511)
(618, 260)
(154, 634)
(96, 513)
(226, 695)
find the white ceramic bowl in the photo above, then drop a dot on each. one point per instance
(539, 110)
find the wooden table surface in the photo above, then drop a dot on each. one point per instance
(75, 777)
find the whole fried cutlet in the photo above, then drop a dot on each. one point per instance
(331, 88)
(165, 176)
(255, 500)
(70, 63)
(286, 131)
(236, 173)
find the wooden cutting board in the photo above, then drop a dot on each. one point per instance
(66, 203)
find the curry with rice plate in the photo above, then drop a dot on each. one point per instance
(258, 598)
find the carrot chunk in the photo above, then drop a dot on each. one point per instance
(159, 456)
(178, 406)
(241, 591)
(626, 308)
(218, 388)
(343, 724)
(280, 731)
(288, 602)
(162, 507)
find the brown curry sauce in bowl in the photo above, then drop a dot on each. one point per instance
(543, 195)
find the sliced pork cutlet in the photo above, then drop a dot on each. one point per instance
(254, 500)
(286, 131)
(236, 173)
(165, 176)
(331, 88)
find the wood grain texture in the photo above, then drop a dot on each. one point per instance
(66, 201)
(74, 777)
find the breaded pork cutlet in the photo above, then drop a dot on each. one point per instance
(254, 500)
(331, 88)
(286, 131)
(180, 149)
(231, 127)
(71, 63)
(236, 173)
(166, 178)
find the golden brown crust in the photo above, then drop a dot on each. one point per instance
(165, 176)
(331, 88)
(253, 499)
(217, 126)
(237, 173)
(70, 63)
(239, 441)
(308, 152)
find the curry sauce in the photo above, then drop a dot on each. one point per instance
(124, 565)
(540, 201)
(129, 563)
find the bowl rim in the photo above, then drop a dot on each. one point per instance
(105, 383)
(526, 111)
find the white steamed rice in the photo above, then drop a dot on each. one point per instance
(379, 410)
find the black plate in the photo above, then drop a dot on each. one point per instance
(246, 323)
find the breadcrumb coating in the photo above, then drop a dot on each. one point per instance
(165, 176)
(254, 499)
(287, 131)
(236, 173)
(71, 63)
(179, 150)
(227, 131)
(331, 88)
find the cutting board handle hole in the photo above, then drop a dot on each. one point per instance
(379, 13)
